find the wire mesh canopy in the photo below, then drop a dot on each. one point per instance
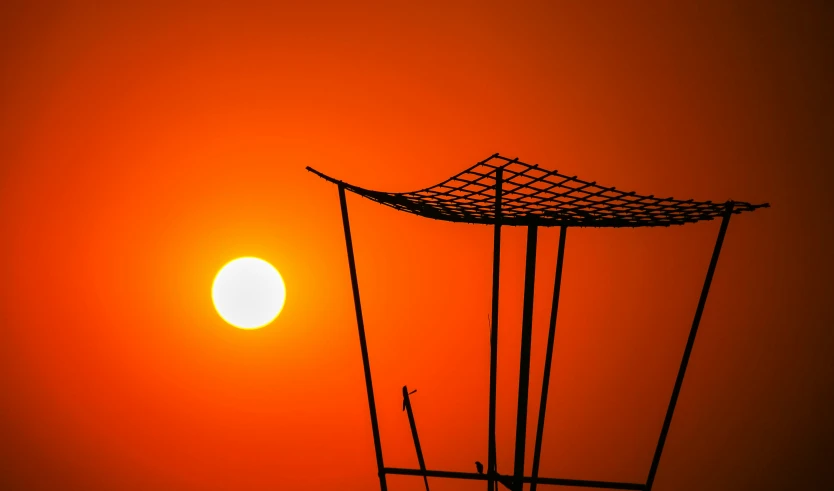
(531, 195)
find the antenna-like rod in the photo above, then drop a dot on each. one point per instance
(407, 408)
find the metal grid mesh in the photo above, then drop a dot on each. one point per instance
(532, 195)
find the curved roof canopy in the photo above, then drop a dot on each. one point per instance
(531, 195)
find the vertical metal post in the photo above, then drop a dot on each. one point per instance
(493, 337)
(524, 365)
(551, 334)
(413, 424)
(689, 343)
(369, 386)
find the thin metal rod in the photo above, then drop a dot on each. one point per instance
(493, 337)
(471, 476)
(584, 484)
(407, 408)
(524, 364)
(551, 334)
(357, 304)
(728, 212)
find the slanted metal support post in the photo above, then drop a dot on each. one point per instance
(524, 364)
(357, 304)
(413, 424)
(551, 334)
(728, 211)
(493, 336)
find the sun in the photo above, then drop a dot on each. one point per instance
(248, 293)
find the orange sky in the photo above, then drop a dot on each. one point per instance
(144, 147)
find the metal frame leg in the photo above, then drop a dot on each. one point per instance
(369, 386)
(524, 365)
(493, 337)
(551, 334)
(689, 343)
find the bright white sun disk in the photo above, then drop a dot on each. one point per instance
(248, 293)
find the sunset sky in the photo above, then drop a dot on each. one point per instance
(144, 145)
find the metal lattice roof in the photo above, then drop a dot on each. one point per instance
(531, 195)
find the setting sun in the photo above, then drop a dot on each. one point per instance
(248, 293)
(184, 306)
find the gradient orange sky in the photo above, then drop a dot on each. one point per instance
(145, 145)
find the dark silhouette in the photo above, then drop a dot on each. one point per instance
(360, 322)
(413, 424)
(493, 482)
(506, 191)
(499, 191)
(524, 364)
(689, 343)
(493, 335)
(551, 334)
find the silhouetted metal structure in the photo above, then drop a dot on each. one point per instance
(500, 191)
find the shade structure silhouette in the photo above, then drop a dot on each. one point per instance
(532, 195)
(501, 191)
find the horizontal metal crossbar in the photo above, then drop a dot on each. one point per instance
(527, 479)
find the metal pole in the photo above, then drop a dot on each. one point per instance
(357, 304)
(551, 334)
(493, 337)
(728, 211)
(524, 365)
(413, 424)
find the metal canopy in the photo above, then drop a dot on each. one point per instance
(501, 191)
(536, 196)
